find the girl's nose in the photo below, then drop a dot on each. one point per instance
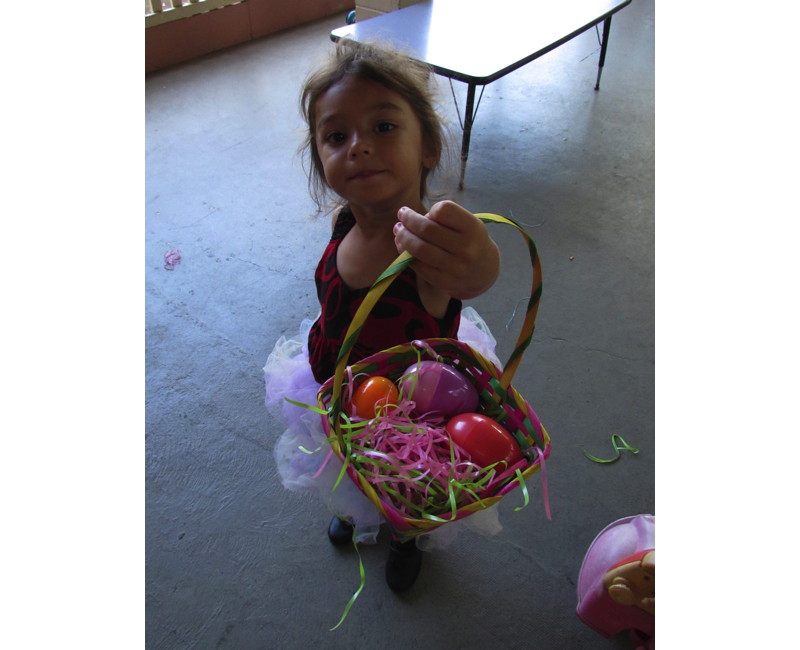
(359, 145)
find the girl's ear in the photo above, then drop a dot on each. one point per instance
(430, 157)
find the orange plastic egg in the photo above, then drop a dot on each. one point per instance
(483, 439)
(373, 395)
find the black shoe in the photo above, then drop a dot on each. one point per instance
(403, 565)
(340, 531)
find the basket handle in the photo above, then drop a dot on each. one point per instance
(395, 268)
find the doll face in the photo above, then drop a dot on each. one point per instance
(370, 143)
(634, 583)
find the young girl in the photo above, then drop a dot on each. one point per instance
(373, 139)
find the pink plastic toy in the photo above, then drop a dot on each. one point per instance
(617, 582)
(438, 389)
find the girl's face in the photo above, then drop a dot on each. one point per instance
(370, 143)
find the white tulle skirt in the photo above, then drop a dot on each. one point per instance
(303, 455)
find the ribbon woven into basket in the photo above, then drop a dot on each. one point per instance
(499, 400)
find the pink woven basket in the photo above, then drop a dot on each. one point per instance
(498, 400)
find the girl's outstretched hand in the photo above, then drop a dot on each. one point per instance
(452, 247)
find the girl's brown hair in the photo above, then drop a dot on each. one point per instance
(408, 78)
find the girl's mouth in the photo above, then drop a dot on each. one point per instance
(367, 173)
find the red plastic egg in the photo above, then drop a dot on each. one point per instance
(438, 388)
(372, 395)
(483, 439)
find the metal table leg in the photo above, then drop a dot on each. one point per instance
(604, 46)
(469, 118)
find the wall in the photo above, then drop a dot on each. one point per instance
(370, 8)
(188, 38)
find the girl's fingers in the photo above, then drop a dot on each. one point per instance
(447, 226)
(419, 247)
(453, 250)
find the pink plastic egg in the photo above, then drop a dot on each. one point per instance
(483, 439)
(438, 389)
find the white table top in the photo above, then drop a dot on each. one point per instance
(478, 41)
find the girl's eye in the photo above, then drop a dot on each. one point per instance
(335, 138)
(384, 127)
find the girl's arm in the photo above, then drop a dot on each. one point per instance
(452, 247)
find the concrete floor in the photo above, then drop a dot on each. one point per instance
(232, 559)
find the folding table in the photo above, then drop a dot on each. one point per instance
(478, 42)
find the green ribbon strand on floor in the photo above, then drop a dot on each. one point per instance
(619, 445)
(360, 587)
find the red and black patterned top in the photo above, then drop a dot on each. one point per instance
(397, 318)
